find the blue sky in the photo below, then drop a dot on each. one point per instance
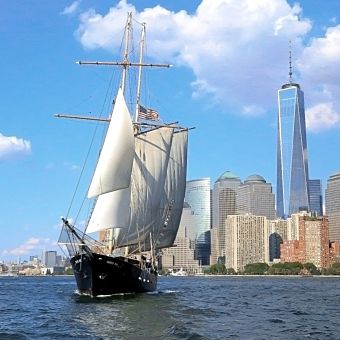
(230, 57)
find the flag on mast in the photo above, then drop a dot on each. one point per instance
(147, 113)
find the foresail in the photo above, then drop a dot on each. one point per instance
(175, 190)
(147, 185)
(112, 210)
(113, 171)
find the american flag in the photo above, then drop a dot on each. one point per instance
(148, 114)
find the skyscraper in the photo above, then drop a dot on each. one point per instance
(197, 195)
(224, 197)
(50, 258)
(292, 162)
(247, 240)
(315, 196)
(255, 197)
(333, 206)
(223, 204)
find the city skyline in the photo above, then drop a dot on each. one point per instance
(223, 82)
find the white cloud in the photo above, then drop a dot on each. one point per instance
(320, 62)
(321, 117)
(319, 65)
(32, 244)
(13, 146)
(237, 50)
(72, 8)
(253, 110)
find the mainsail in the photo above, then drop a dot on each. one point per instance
(174, 190)
(147, 186)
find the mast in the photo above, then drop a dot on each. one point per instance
(125, 64)
(142, 39)
(126, 52)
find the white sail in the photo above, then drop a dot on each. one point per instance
(112, 210)
(147, 185)
(113, 171)
(175, 190)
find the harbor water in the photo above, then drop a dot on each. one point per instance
(182, 308)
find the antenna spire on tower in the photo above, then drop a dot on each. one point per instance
(290, 83)
(290, 62)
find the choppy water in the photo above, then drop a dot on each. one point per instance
(182, 308)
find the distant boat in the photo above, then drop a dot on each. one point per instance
(138, 186)
(180, 272)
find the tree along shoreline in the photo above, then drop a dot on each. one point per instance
(287, 268)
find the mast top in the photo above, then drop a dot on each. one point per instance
(125, 63)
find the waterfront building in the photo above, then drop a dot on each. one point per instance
(333, 206)
(255, 196)
(289, 231)
(50, 258)
(334, 252)
(291, 251)
(214, 255)
(278, 232)
(223, 204)
(34, 259)
(246, 240)
(314, 234)
(197, 195)
(182, 254)
(292, 161)
(313, 244)
(315, 196)
(293, 229)
(3, 268)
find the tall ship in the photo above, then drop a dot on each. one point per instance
(137, 190)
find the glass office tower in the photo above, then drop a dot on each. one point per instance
(315, 196)
(197, 195)
(292, 163)
(333, 206)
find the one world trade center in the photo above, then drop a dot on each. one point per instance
(292, 161)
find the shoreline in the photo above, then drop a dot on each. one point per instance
(254, 275)
(201, 275)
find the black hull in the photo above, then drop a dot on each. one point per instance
(98, 274)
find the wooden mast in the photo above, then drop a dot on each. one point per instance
(126, 52)
(141, 54)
